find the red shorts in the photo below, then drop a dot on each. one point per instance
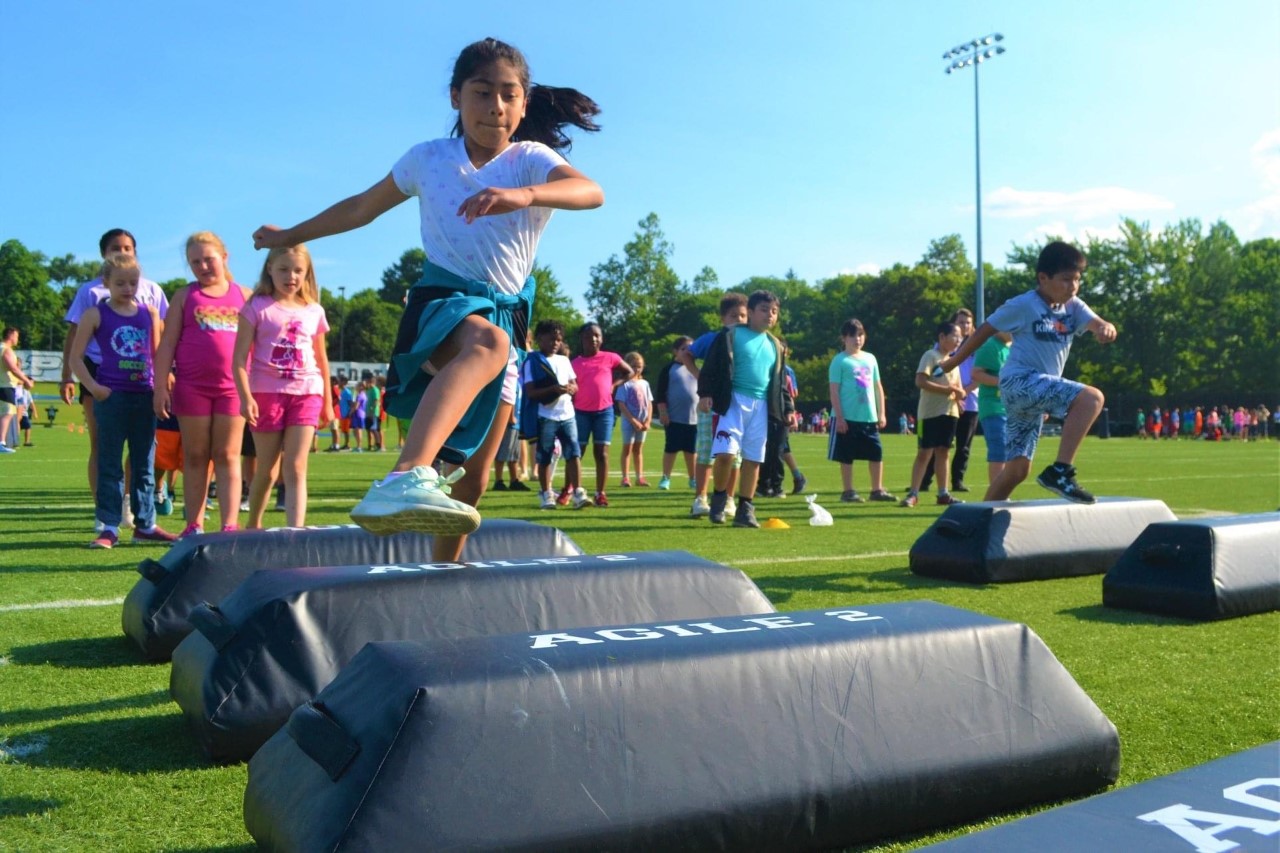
(194, 401)
(168, 450)
(276, 412)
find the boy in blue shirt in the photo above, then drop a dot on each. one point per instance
(1043, 323)
(742, 376)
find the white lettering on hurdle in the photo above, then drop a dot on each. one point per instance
(703, 629)
(1181, 818)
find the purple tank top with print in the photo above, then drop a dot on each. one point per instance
(126, 349)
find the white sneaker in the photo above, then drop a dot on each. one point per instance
(701, 507)
(580, 498)
(416, 501)
(731, 506)
(548, 500)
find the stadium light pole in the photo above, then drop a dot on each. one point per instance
(342, 324)
(975, 53)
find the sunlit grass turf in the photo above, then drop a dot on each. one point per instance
(111, 766)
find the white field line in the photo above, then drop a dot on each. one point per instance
(18, 750)
(65, 604)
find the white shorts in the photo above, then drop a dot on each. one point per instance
(744, 429)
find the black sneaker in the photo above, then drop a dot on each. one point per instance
(519, 486)
(1061, 480)
(745, 515)
(499, 486)
(960, 487)
(798, 483)
(851, 497)
(718, 502)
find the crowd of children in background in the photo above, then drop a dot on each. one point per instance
(1215, 423)
(238, 372)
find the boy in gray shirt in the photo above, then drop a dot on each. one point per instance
(1043, 323)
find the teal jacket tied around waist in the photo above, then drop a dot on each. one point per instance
(430, 317)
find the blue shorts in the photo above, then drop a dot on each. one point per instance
(597, 425)
(1028, 397)
(630, 435)
(993, 432)
(565, 430)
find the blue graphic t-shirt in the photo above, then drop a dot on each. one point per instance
(856, 377)
(1041, 335)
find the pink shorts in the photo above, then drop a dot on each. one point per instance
(278, 411)
(194, 401)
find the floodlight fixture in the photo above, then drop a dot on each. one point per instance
(974, 53)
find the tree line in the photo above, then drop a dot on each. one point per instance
(1198, 310)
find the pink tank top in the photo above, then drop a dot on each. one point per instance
(208, 339)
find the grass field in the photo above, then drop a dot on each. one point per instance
(94, 755)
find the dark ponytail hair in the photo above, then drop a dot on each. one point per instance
(548, 108)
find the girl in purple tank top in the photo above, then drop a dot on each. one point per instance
(197, 348)
(127, 334)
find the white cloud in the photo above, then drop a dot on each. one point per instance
(1262, 217)
(860, 269)
(1097, 202)
(1072, 235)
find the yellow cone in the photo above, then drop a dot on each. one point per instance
(775, 524)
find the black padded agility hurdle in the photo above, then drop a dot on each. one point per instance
(1003, 541)
(206, 568)
(284, 634)
(1232, 803)
(810, 730)
(1205, 568)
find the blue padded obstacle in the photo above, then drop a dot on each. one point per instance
(1208, 568)
(206, 568)
(1229, 804)
(1003, 541)
(282, 635)
(785, 731)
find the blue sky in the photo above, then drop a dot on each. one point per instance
(822, 138)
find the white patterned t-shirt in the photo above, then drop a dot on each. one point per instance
(498, 249)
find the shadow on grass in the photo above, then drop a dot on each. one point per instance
(25, 806)
(780, 589)
(228, 848)
(82, 653)
(139, 744)
(1117, 616)
(23, 716)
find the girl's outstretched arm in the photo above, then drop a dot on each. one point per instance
(566, 189)
(350, 213)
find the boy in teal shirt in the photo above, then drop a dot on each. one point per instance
(857, 413)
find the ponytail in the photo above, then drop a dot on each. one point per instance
(551, 108)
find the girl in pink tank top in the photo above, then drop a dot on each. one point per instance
(197, 350)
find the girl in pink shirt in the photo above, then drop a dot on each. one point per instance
(599, 374)
(196, 348)
(280, 371)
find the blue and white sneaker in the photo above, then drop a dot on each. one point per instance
(4, 448)
(416, 501)
(664, 484)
